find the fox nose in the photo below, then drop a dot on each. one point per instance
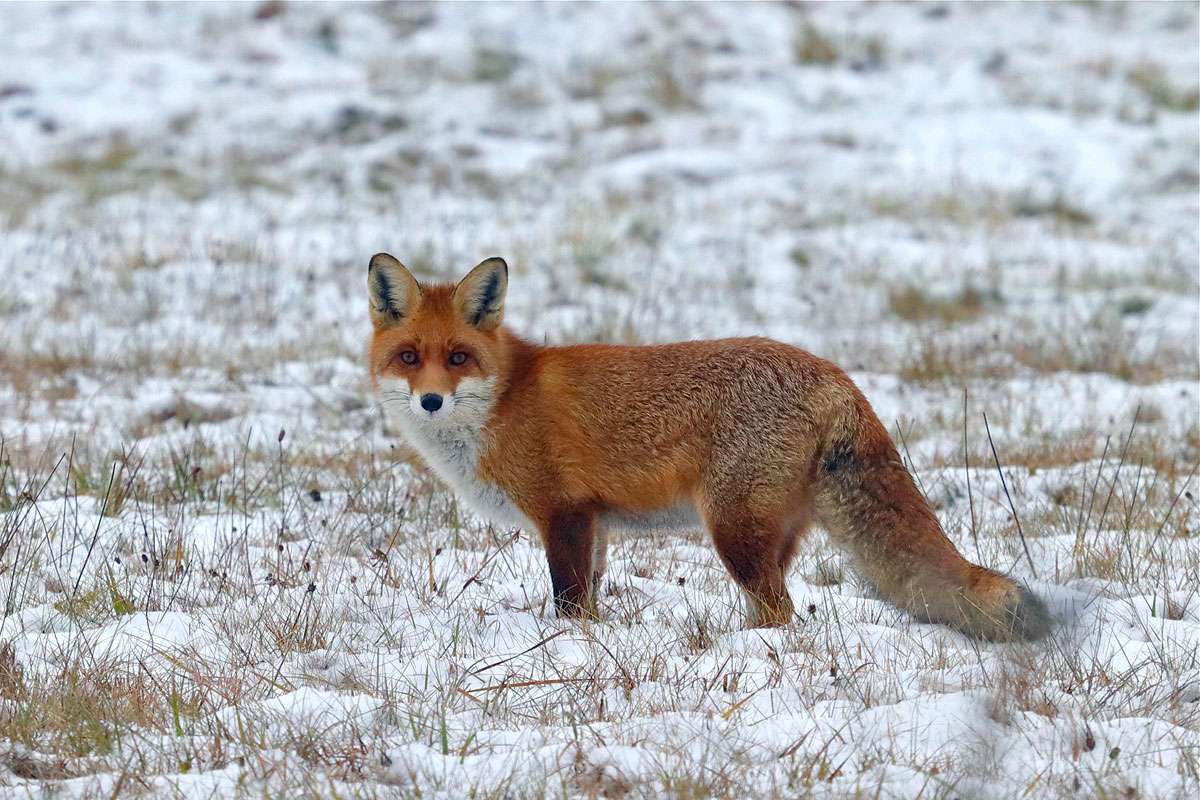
(431, 402)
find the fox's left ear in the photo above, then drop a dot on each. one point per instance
(479, 297)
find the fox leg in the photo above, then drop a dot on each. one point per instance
(755, 550)
(570, 539)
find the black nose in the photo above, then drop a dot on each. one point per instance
(431, 402)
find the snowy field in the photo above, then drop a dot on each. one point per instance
(223, 574)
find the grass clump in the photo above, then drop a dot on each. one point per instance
(115, 157)
(1098, 345)
(813, 47)
(1058, 208)
(1153, 82)
(491, 65)
(914, 304)
(85, 711)
(810, 46)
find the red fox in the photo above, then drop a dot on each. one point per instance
(751, 438)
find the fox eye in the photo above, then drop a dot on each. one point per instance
(458, 358)
(409, 357)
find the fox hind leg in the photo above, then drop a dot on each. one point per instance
(755, 550)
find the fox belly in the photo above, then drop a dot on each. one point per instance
(679, 517)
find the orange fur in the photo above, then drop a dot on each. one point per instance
(755, 437)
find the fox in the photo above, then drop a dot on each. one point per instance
(751, 438)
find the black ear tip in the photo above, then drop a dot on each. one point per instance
(378, 259)
(497, 261)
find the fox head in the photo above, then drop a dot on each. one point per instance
(436, 350)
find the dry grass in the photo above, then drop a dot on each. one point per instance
(324, 555)
(810, 46)
(814, 47)
(221, 572)
(48, 374)
(914, 304)
(311, 601)
(315, 565)
(972, 206)
(1162, 90)
(1104, 345)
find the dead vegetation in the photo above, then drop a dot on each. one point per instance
(1103, 345)
(914, 304)
(312, 600)
(218, 564)
(812, 46)
(1163, 90)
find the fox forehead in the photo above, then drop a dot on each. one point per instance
(434, 329)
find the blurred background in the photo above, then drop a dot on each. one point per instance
(939, 192)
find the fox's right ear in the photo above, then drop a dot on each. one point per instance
(394, 293)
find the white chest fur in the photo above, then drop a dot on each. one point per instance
(453, 453)
(452, 448)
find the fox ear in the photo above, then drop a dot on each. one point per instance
(393, 291)
(479, 297)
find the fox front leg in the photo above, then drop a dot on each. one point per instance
(570, 538)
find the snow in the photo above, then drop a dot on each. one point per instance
(277, 597)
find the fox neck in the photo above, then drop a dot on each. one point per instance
(453, 450)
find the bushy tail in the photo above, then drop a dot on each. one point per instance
(868, 501)
(994, 607)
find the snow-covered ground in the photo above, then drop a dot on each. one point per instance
(222, 574)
